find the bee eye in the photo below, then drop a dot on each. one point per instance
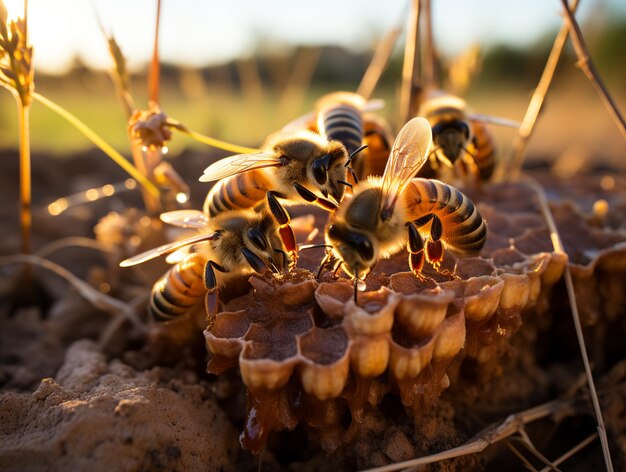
(255, 235)
(464, 128)
(319, 171)
(365, 249)
(438, 129)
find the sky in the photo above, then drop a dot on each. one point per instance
(203, 32)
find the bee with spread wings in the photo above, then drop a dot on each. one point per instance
(233, 244)
(383, 215)
(295, 166)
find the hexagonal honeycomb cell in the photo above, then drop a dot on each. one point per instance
(307, 353)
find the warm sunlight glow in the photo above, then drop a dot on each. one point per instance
(15, 8)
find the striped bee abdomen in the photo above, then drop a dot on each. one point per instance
(240, 191)
(464, 230)
(181, 288)
(342, 122)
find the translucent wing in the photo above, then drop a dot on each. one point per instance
(239, 163)
(494, 120)
(408, 154)
(374, 105)
(166, 249)
(300, 123)
(185, 218)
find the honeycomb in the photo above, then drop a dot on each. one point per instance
(308, 354)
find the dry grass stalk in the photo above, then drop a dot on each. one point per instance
(512, 425)
(294, 91)
(431, 77)
(580, 446)
(17, 75)
(155, 72)
(98, 299)
(587, 66)
(518, 151)
(569, 284)
(379, 61)
(99, 142)
(411, 85)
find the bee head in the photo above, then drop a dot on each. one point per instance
(327, 171)
(262, 240)
(356, 249)
(452, 137)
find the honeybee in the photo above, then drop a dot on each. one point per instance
(462, 144)
(293, 166)
(345, 117)
(231, 244)
(385, 214)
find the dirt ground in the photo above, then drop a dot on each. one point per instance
(82, 388)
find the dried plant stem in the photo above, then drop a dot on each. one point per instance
(569, 284)
(587, 66)
(379, 62)
(581, 445)
(513, 424)
(430, 53)
(304, 65)
(100, 143)
(25, 183)
(74, 241)
(411, 67)
(216, 143)
(154, 78)
(518, 151)
(93, 296)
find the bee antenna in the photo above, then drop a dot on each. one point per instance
(354, 153)
(313, 246)
(343, 182)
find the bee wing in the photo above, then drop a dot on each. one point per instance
(237, 164)
(300, 123)
(185, 218)
(494, 120)
(408, 155)
(167, 248)
(374, 105)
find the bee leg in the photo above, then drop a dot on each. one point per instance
(434, 246)
(258, 264)
(310, 197)
(285, 230)
(328, 259)
(415, 246)
(211, 299)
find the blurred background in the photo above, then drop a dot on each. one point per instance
(239, 70)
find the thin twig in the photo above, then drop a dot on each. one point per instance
(97, 299)
(491, 435)
(584, 443)
(380, 60)
(411, 67)
(525, 439)
(587, 66)
(216, 143)
(294, 92)
(74, 241)
(153, 79)
(99, 142)
(430, 54)
(520, 456)
(518, 151)
(569, 284)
